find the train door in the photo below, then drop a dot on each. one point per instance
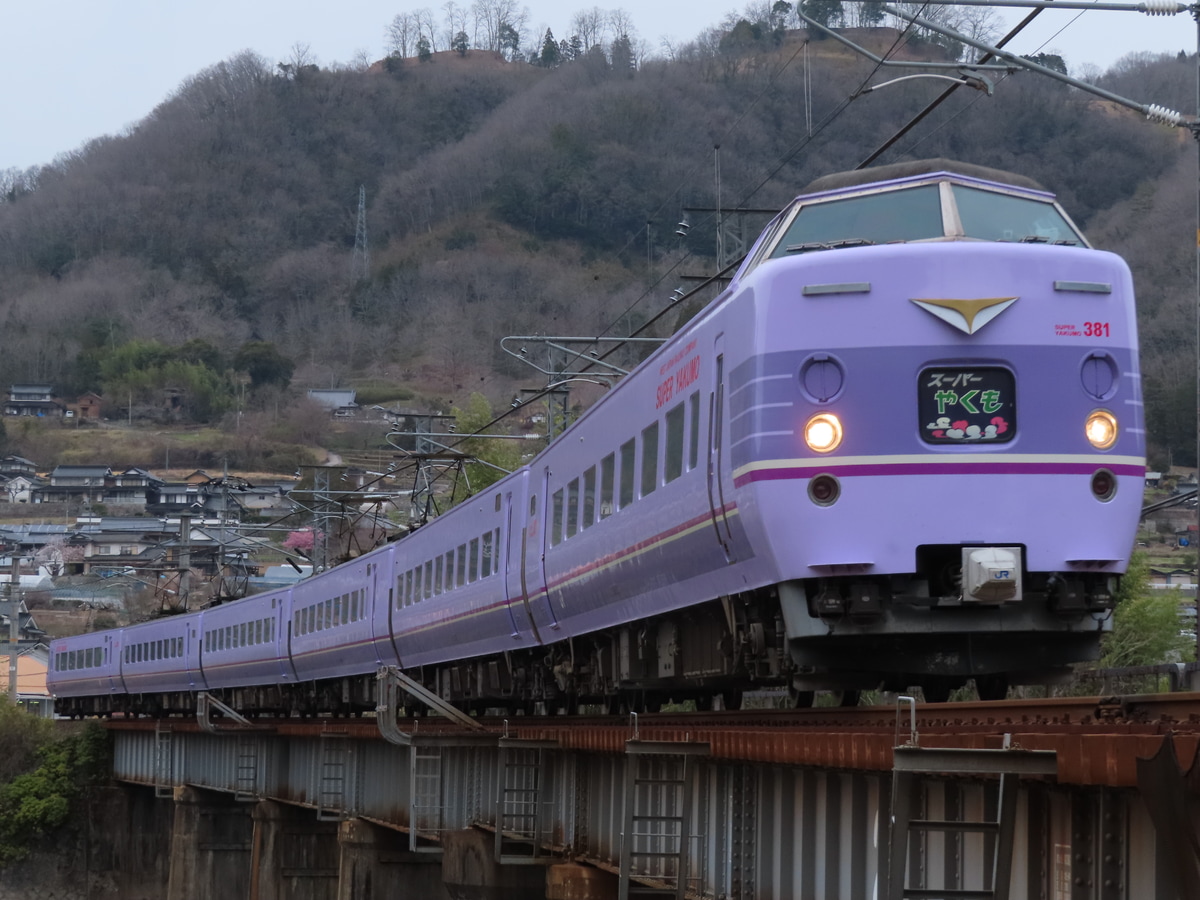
(283, 623)
(505, 562)
(190, 652)
(112, 665)
(717, 451)
(533, 550)
(383, 593)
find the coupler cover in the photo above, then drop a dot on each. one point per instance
(991, 574)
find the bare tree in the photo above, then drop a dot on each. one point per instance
(456, 22)
(590, 25)
(490, 18)
(621, 23)
(402, 35)
(979, 23)
(426, 29)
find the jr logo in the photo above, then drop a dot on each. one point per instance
(1002, 575)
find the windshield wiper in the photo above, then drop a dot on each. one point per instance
(828, 245)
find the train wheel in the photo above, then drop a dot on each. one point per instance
(845, 699)
(938, 692)
(800, 699)
(991, 687)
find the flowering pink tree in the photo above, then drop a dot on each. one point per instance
(301, 540)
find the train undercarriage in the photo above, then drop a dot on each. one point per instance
(841, 635)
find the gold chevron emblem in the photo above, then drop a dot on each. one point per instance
(966, 315)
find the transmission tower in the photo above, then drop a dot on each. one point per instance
(360, 265)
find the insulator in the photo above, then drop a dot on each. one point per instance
(1162, 7)
(1156, 113)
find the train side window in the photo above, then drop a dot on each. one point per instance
(649, 459)
(628, 455)
(556, 529)
(497, 503)
(437, 576)
(607, 470)
(589, 498)
(270, 630)
(408, 587)
(673, 463)
(450, 570)
(461, 558)
(572, 507)
(417, 587)
(496, 556)
(428, 585)
(473, 570)
(694, 435)
(329, 620)
(485, 556)
(337, 610)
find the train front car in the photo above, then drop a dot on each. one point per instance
(949, 472)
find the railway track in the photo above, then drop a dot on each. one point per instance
(1179, 712)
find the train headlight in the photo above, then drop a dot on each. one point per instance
(823, 433)
(1101, 429)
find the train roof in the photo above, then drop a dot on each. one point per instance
(913, 168)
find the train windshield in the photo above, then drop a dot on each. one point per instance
(990, 216)
(912, 214)
(923, 212)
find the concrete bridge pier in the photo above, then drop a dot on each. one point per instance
(470, 870)
(210, 846)
(376, 864)
(295, 855)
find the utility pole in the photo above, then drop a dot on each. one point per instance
(14, 625)
(360, 263)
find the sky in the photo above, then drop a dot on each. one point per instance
(74, 70)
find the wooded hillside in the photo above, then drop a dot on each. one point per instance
(216, 237)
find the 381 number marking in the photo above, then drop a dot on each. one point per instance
(1095, 329)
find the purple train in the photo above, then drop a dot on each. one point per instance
(904, 447)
